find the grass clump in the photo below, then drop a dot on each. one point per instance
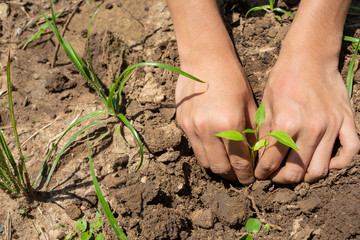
(14, 178)
(270, 8)
(260, 142)
(111, 99)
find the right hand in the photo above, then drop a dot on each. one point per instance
(224, 102)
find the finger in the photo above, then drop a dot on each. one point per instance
(319, 163)
(217, 157)
(240, 160)
(350, 145)
(199, 150)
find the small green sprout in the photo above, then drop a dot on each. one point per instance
(253, 225)
(260, 142)
(22, 212)
(86, 233)
(350, 74)
(267, 229)
(270, 8)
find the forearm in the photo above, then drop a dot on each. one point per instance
(318, 28)
(199, 29)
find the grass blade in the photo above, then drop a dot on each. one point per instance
(93, 114)
(257, 9)
(136, 136)
(350, 73)
(40, 31)
(119, 233)
(283, 11)
(71, 140)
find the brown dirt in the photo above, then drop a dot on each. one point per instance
(171, 197)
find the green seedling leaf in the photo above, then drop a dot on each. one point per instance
(40, 31)
(253, 225)
(119, 233)
(249, 131)
(72, 235)
(98, 214)
(85, 236)
(231, 135)
(261, 144)
(283, 11)
(136, 136)
(267, 228)
(246, 237)
(81, 224)
(100, 237)
(284, 138)
(350, 73)
(257, 9)
(67, 144)
(260, 114)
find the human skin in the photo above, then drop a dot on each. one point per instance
(306, 97)
(312, 106)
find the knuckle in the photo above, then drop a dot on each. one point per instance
(220, 169)
(241, 165)
(294, 176)
(269, 166)
(201, 123)
(288, 125)
(317, 174)
(355, 146)
(315, 129)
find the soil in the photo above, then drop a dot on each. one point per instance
(171, 196)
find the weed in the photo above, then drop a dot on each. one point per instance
(119, 233)
(14, 178)
(111, 101)
(88, 230)
(270, 8)
(260, 142)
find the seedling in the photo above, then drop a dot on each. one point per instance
(88, 231)
(350, 74)
(253, 225)
(270, 8)
(260, 142)
(111, 101)
(14, 178)
(118, 231)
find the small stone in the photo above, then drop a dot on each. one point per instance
(4, 11)
(203, 218)
(169, 156)
(73, 211)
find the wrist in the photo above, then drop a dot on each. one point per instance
(317, 30)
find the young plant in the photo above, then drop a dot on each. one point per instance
(14, 178)
(111, 101)
(253, 225)
(260, 142)
(88, 231)
(118, 231)
(350, 74)
(270, 8)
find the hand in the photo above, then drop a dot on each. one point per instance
(223, 103)
(308, 100)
